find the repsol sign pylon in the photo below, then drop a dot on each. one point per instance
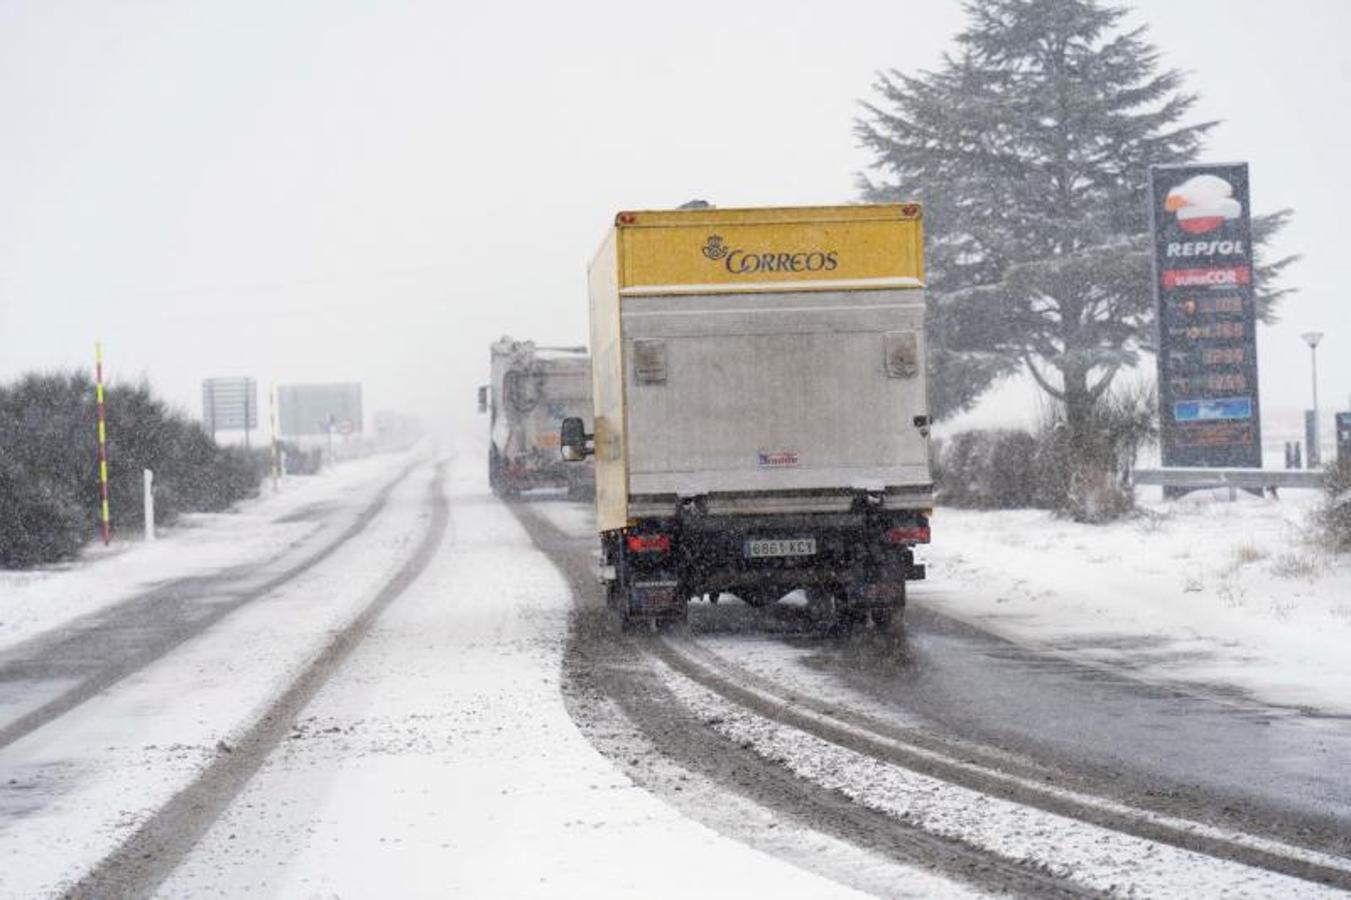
(1203, 282)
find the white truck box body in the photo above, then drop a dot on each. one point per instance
(775, 391)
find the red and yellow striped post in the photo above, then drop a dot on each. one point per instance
(105, 524)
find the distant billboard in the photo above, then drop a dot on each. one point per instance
(317, 409)
(1203, 267)
(229, 404)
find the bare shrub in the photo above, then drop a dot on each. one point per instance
(990, 469)
(1152, 521)
(1296, 566)
(1335, 516)
(1089, 469)
(1235, 596)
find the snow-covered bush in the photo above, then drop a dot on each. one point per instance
(1089, 476)
(990, 469)
(39, 520)
(49, 492)
(1088, 479)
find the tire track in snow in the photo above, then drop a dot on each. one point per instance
(147, 857)
(876, 740)
(887, 745)
(146, 628)
(620, 668)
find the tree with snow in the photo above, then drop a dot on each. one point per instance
(1030, 148)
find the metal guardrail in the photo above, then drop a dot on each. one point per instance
(1257, 479)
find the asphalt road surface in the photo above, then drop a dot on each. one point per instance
(1186, 765)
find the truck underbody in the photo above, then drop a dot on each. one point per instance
(853, 565)
(508, 477)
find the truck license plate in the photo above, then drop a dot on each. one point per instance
(757, 548)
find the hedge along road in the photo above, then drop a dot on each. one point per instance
(69, 665)
(956, 706)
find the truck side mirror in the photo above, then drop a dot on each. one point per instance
(573, 440)
(483, 398)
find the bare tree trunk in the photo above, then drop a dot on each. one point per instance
(1078, 409)
(1091, 494)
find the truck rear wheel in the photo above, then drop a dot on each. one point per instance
(831, 606)
(494, 469)
(888, 615)
(890, 618)
(850, 617)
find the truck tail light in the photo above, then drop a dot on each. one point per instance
(649, 543)
(907, 534)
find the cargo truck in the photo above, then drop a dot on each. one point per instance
(533, 389)
(761, 421)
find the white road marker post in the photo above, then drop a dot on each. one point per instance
(148, 499)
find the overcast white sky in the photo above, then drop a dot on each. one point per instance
(372, 191)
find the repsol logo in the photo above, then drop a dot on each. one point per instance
(1205, 248)
(741, 262)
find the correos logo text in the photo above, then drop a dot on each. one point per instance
(741, 262)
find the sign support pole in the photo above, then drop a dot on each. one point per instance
(276, 460)
(105, 523)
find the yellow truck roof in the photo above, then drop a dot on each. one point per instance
(776, 248)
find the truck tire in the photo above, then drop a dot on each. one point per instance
(681, 617)
(494, 469)
(889, 618)
(821, 602)
(849, 618)
(617, 620)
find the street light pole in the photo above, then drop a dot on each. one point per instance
(1312, 338)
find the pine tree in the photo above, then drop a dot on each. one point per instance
(1030, 148)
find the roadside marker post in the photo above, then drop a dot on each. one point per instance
(105, 524)
(148, 500)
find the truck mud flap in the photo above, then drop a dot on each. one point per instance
(655, 597)
(879, 591)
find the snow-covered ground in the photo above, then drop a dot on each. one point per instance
(1204, 590)
(254, 532)
(441, 761)
(73, 789)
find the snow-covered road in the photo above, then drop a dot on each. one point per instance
(1203, 782)
(440, 761)
(74, 788)
(394, 701)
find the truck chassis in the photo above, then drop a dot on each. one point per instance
(857, 570)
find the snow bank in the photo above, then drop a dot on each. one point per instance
(256, 532)
(1201, 590)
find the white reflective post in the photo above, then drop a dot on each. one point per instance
(148, 483)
